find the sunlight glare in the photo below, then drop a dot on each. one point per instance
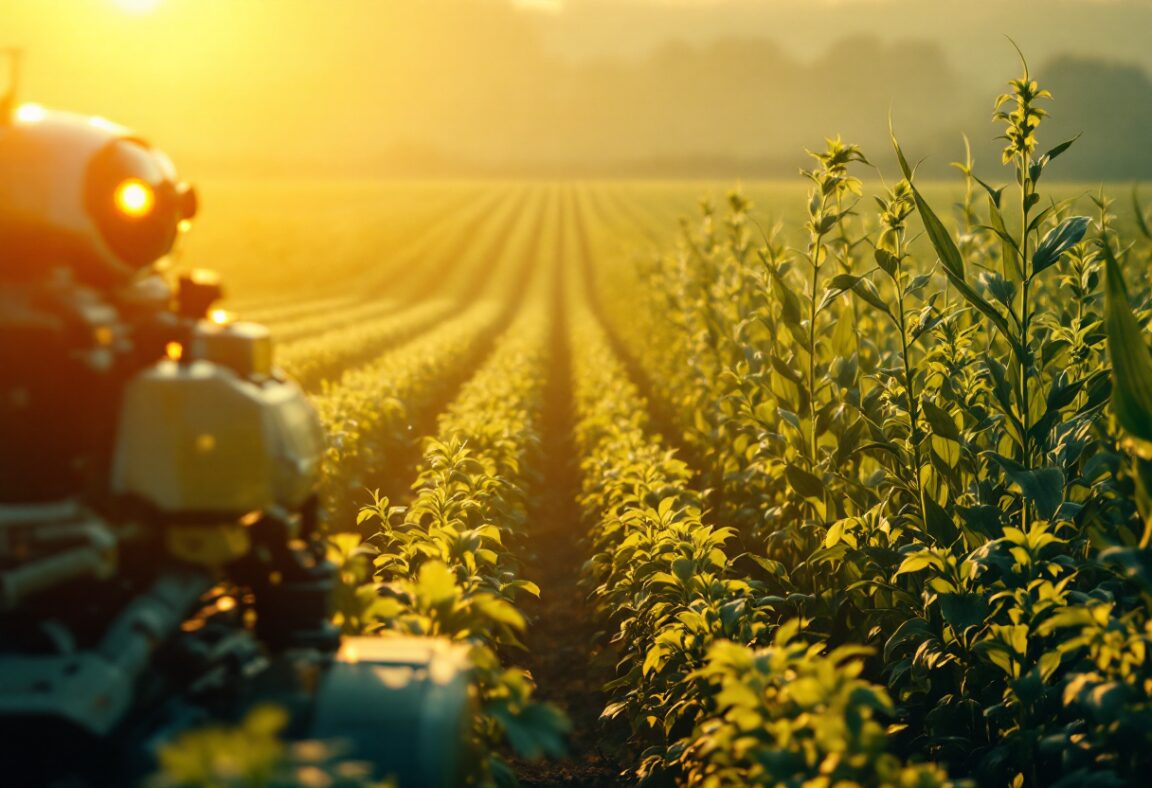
(138, 6)
(552, 6)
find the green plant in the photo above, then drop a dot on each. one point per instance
(252, 754)
(445, 566)
(917, 458)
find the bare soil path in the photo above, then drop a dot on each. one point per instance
(566, 651)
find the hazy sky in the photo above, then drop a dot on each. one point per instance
(970, 31)
(315, 80)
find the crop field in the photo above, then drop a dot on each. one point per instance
(834, 481)
(798, 482)
(660, 393)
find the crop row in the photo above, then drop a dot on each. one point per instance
(314, 324)
(447, 565)
(291, 310)
(371, 414)
(328, 354)
(368, 415)
(387, 277)
(276, 243)
(720, 696)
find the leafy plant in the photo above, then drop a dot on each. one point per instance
(444, 566)
(916, 462)
(252, 754)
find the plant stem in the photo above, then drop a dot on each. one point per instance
(818, 242)
(909, 388)
(1025, 321)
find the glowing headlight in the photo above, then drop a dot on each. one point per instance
(134, 198)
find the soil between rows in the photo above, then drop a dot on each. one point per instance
(567, 653)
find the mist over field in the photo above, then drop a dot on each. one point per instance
(585, 87)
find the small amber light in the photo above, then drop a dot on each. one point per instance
(134, 198)
(103, 336)
(220, 317)
(226, 603)
(174, 351)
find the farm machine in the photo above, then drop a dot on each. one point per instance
(162, 569)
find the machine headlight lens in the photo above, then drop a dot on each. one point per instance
(133, 202)
(134, 198)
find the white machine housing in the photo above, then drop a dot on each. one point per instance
(217, 434)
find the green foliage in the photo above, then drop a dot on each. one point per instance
(324, 355)
(907, 540)
(788, 714)
(906, 447)
(679, 598)
(252, 754)
(368, 416)
(1131, 361)
(445, 565)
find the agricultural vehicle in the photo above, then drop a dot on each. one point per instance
(162, 568)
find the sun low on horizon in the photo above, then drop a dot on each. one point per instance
(138, 6)
(553, 6)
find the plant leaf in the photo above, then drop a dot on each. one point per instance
(1131, 361)
(976, 300)
(887, 261)
(1011, 252)
(1048, 157)
(804, 483)
(1138, 212)
(963, 610)
(1057, 241)
(941, 239)
(938, 523)
(941, 421)
(1044, 487)
(861, 287)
